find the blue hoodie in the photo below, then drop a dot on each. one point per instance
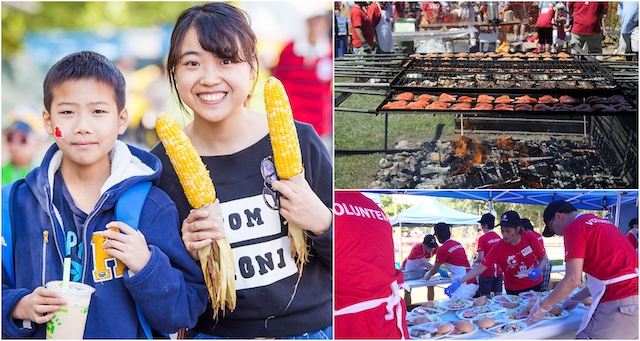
(169, 289)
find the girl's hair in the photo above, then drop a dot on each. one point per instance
(85, 65)
(222, 29)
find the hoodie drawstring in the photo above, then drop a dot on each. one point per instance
(45, 241)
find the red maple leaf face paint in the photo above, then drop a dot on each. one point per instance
(58, 132)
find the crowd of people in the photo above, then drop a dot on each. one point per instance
(513, 262)
(554, 26)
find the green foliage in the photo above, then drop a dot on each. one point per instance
(19, 18)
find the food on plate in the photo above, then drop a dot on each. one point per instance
(422, 332)
(429, 304)
(483, 106)
(518, 313)
(466, 99)
(443, 327)
(507, 298)
(445, 97)
(456, 303)
(485, 99)
(429, 311)
(464, 326)
(525, 99)
(510, 328)
(509, 305)
(548, 99)
(503, 99)
(406, 96)
(414, 321)
(473, 313)
(587, 301)
(461, 106)
(556, 310)
(567, 99)
(426, 97)
(486, 322)
(523, 107)
(480, 301)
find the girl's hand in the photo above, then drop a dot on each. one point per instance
(39, 306)
(199, 229)
(300, 205)
(127, 245)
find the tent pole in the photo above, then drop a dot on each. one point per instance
(618, 210)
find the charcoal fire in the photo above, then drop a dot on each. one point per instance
(505, 163)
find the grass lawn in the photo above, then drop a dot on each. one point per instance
(365, 131)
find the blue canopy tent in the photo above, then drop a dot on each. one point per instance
(614, 201)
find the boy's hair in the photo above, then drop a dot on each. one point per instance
(442, 232)
(223, 30)
(85, 65)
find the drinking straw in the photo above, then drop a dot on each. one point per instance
(66, 272)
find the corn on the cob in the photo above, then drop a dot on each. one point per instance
(286, 154)
(216, 259)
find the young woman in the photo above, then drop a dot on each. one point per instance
(212, 67)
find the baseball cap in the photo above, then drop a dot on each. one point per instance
(550, 212)
(19, 126)
(488, 219)
(509, 219)
(430, 241)
(526, 224)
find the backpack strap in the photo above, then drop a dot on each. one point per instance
(7, 232)
(128, 210)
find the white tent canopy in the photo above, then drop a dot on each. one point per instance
(430, 211)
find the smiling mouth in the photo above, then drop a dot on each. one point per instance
(212, 97)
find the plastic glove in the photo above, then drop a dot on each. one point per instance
(452, 288)
(569, 304)
(443, 273)
(534, 274)
(366, 47)
(537, 313)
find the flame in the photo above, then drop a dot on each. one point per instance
(459, 147)
(505, 143)
(525, 163)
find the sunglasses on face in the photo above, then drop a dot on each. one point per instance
(268, 170)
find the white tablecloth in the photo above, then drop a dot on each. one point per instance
(543, 330)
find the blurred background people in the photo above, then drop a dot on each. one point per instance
(305, 68)
(587, 26)
(632, 235)
(628, 13)
(381, 15)
(22, 138)
(490, 281)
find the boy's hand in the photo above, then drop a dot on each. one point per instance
(199, 229)
(39, 306)
(300, 205)
(127, 245)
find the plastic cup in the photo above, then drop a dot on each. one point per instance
(68, 323)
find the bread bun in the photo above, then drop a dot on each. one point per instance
(480, 301)
(510, 305)
(444, 328)
(587, 301)
(465, 326)
(428, 304)
(486, 322)
(419, 320)
(556, 310)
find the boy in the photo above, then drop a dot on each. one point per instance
(65, 208)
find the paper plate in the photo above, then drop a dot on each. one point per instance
(527, 294)
(471, 314)
(456, 304)
(510, 314)
(421, 331)
(453, 333)
(507, 298)
(550, 316)
(428, 311)
(511, 327)
(432, 318)
(487, 302)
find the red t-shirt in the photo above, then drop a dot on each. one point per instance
(417, 253)
(452, 254)
(364, 268)
(486, 242)
(586, 16)
(432, 8)
(633, 239)
(361, 20)
(373, 11)
(605, 251)
(545, 17)
(517, 259)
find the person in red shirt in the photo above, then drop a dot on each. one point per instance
(587, 25)
(431, 12)
(546, 271)
(420, 254)
(632, 235)
(490, 281)
(597, 247)
(519, 255)
(362, 29)
(367, 300)
(452, 255)
(545, 27)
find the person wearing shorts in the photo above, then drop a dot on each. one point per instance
(545, 28)
(490, 281)
(587, 18)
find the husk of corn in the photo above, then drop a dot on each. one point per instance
(216, 259)
(287, 156)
